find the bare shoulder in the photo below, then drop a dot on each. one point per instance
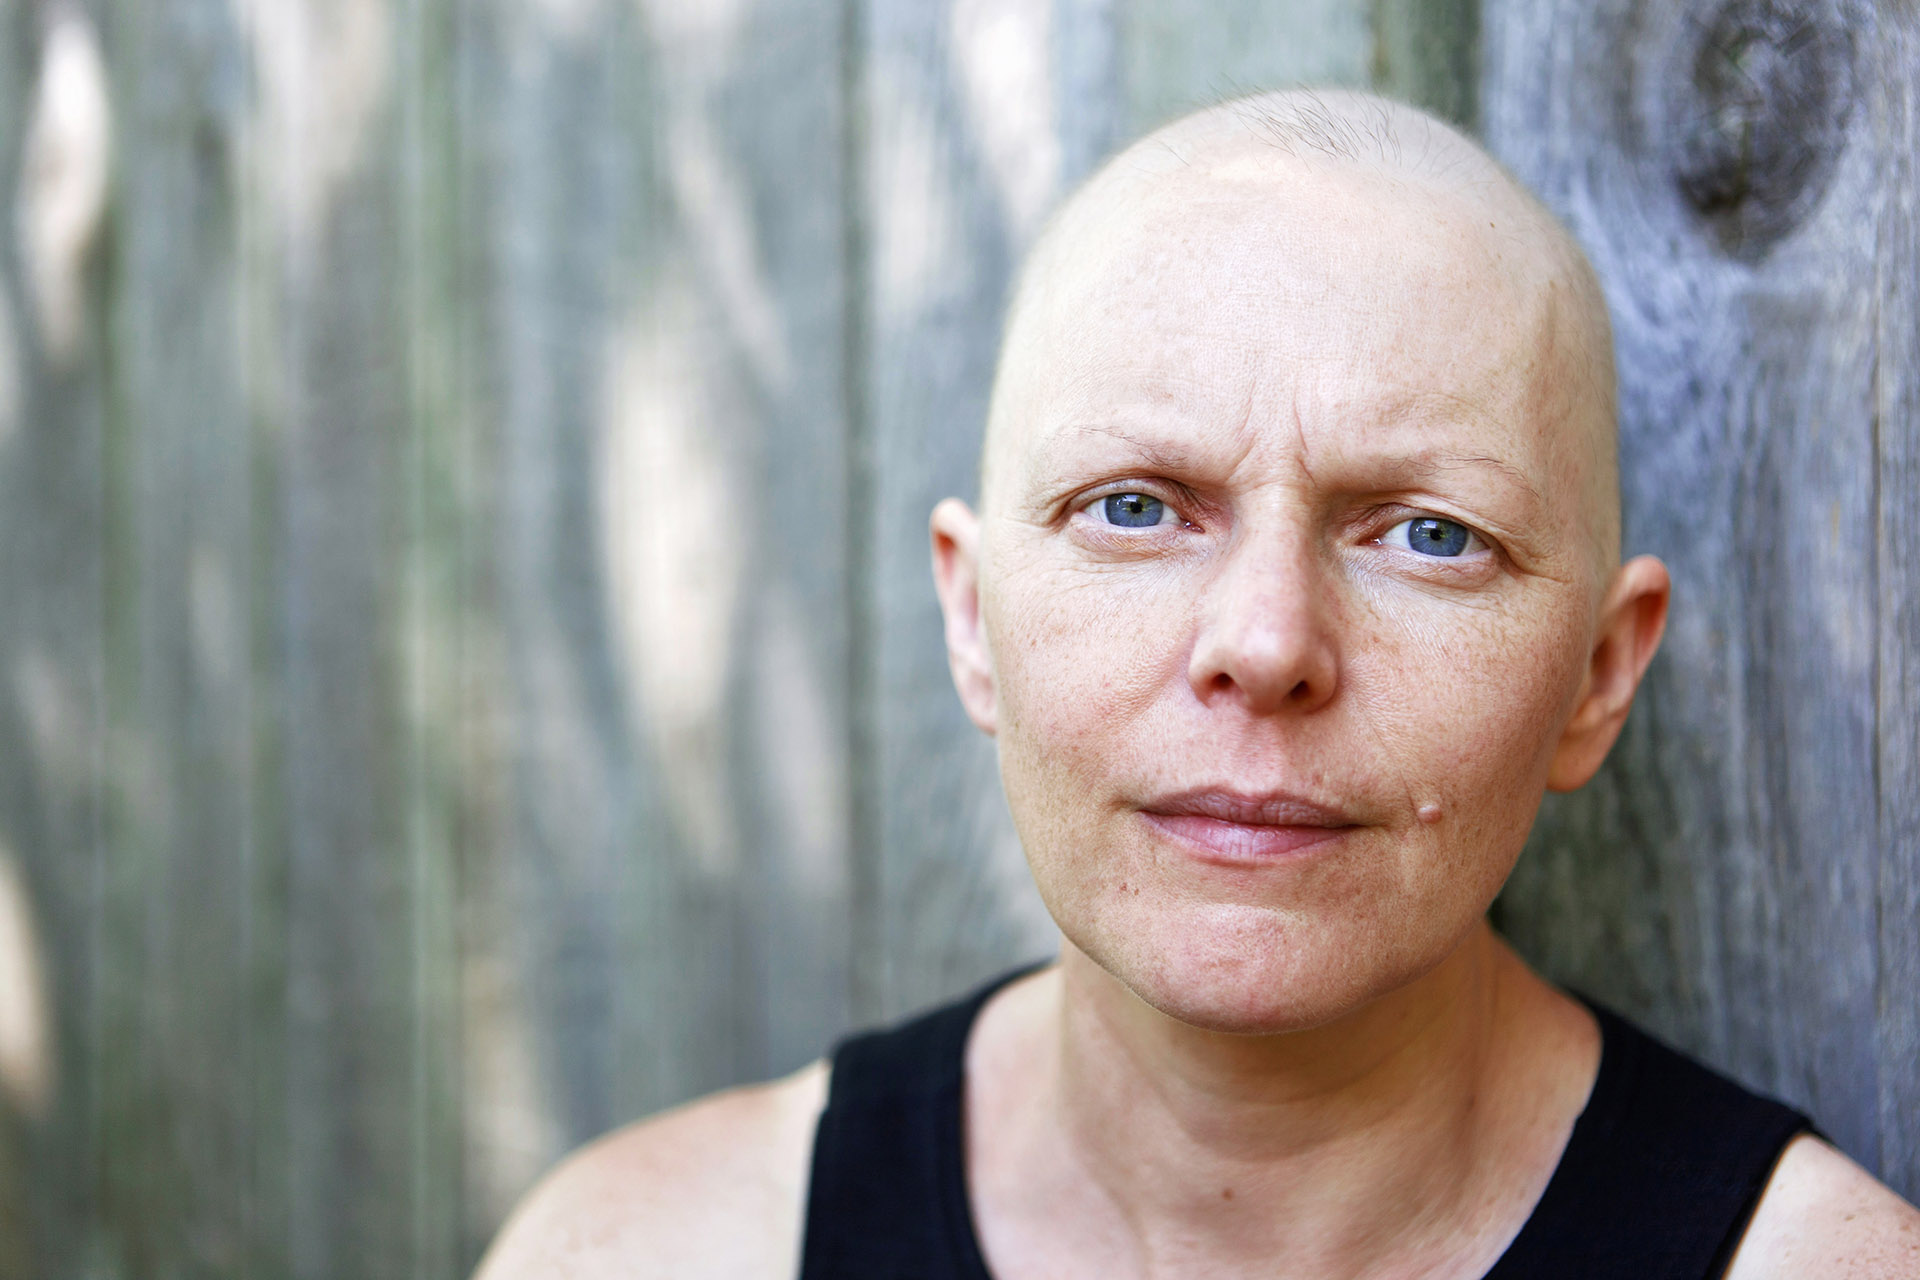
(1823, 1215)
(713, 1188)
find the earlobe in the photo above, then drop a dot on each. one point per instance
(956, 579)
(1632, 619)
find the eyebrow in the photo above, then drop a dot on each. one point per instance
(1155, 454)
(1441, 460)
(1459, 461)
(1160, 456)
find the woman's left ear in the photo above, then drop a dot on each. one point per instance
(1632, 619)
(956, 579)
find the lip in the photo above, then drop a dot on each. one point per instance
(1240, 829)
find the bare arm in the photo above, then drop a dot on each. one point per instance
(712, 1189)
(1823, 1215)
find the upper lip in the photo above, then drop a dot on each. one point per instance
(1263, 809)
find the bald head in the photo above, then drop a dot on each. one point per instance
(1300, 490)
(1325, 227)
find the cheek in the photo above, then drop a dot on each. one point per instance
(1470, 708)
(1080, 655)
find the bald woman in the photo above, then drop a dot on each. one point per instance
(1294, 583)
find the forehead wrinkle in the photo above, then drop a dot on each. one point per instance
(1157, 455)
(1464, 462)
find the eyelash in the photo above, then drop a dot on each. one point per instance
(1476, 540)
(1089, 504)
(1386, 519)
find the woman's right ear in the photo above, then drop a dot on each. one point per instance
(956, 578)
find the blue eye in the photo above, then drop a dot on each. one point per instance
(1431, 536)
(1134, 510)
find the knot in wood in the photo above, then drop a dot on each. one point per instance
(1760, 118)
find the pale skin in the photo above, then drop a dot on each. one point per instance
(1270, 756)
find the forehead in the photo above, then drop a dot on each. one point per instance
(1254, 306)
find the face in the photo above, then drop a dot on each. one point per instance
(1287, 586)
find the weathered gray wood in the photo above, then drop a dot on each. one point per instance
(348, 420)
(941, 903)
(658, 249)
(963, 157)
(1720, 162)
(1427, 52)
(1895, 56)
(178, 1111)
(1178, 55)
(469, 674)
(434, 626)
(548, 203)
(53, 699)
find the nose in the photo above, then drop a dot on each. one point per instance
(1266, 634)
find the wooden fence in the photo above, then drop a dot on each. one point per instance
(468, 674)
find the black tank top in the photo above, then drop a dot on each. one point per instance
(1662, 1171)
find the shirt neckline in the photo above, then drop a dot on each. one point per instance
(1557, 1203)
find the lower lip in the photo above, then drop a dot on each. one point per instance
(1241, 843)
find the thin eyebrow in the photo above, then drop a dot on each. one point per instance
(1457, 461)
(1446, 461)
(1160, 457)
(1157, 456)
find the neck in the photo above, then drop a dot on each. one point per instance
(1382, 1143)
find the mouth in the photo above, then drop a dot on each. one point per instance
(1239, 829)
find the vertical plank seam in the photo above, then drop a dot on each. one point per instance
(115, 636)
(1876, 676)
(1890, 106)
(863, 853)
(413, 616)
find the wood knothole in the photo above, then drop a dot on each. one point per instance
(1758, 117)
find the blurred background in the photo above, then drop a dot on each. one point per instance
(468, 671)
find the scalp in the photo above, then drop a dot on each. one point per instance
(1412, 160)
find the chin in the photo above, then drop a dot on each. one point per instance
(1239, 969)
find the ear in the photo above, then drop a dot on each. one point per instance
(956, 578)
(1632, 618)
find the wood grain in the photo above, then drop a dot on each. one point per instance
(657, 375)
(53, 704)
(1721, 878)
(956, 172)
(469, 673)
(1427, 52)
(1896, 131)
(1179, 56)
(180, 1092)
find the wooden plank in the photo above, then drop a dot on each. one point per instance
(433, 623)
(355, 947)
(770, 237)
(52, 689)
(180, 1026)
(1178, 55)
(1427, 52)
(657, 260)
(1719, 879)
(967, 149)
(1896, 135)
(963, 156)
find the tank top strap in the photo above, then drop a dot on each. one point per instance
(1661, 1173)
(887, 1198)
